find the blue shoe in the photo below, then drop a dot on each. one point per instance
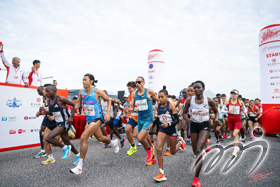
(40, 155)
(66, 152)
(76, 161)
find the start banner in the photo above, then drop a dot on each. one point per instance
(18, 123)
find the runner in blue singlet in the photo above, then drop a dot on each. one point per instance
(91, 102)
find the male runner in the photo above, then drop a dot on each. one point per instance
(57, 108)
(142, 98)
(91, 102)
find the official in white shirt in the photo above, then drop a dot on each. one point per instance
(15, 73)
(35, 76)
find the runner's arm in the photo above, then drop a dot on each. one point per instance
(5, 61)
(175, 115)
(132, 106)
(224, 109)
(259, 111)
(153, 94)
(186, 109)
(214, 108)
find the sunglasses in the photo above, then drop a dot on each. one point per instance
(138, 82)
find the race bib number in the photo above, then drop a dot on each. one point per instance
(200, 115)
(58, 117)
(142, 104)
(89, 109)
(252, 114)
(236, 109)
(165, 118)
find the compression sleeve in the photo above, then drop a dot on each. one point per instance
(175, 121)
(224, 110)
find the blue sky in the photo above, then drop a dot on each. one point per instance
(212, 41)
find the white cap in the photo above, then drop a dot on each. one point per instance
(125, 95)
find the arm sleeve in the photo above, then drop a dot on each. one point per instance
(224, 110)
(5, 61)
(176, 119)
(244, 109)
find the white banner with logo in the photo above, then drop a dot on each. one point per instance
(156, 70)
(19, 125)
(269, 49)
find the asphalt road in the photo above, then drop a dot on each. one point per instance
(103, 167)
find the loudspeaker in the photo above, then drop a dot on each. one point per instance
(121, 96)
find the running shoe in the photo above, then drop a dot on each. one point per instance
(105, 145)
(251, 138)
(254, 133)
(196, 182)
(109, 145)
(226, 136)
(116, 147)
(194, 156)
(49, 160)
(207, 146)
(229, 136)
(240, 138)
(149, 154)
(160, 177)
(66, 152)
(246, 132)
(153, 143)
(152, 161)
(234, 153)
(122, 142)
(76, 161)
(131, 150)
(191, 141)
(218, 143)
(167, 153)
(188, 139)
(40, 154)
(139, 144)
(183, 145)
(99, 142)
(243, 140)
(77, 170)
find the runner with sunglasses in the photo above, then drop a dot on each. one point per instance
(142, 99)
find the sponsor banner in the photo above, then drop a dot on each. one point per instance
(156, 70)
(269, 51)
(18, 122)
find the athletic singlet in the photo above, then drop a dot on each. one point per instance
(104, 106)
(164, 114)
(182, 100)
(60, 114)
(91, 105)
(118, 114)
(144, 106)
(126, 105)
(199, 112)
(254, 112)
(235, 107)
(134, 115)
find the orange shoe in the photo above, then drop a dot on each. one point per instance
(196, 182)
(160, 177)
(152, 161)
(183, 145)
(167, 153)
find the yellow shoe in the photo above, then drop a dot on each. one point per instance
(48, 161)
(234, 153)
(131, 150)
(167, 153)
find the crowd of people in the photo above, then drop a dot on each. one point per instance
(143, 115)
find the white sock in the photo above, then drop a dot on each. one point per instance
(161, 171)
(113, 143)
(43, 150)
(168, 148)
(50, 156)
(80, 163)
(236, 148)
(78, 154)
(64, 147)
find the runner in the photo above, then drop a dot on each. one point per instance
(217, 127)
(131, 125)
(91, 102)
(198, 107)
(110, 123)
(224, 129)
(234, 107)
(57, 108)
(142, 98)
(153, 130)
(244, 117)
(254, 114)
(42, 153)
(167, 119)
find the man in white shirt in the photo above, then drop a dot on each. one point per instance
(15, 73)
(35, 76)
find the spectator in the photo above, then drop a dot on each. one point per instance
(15, 73)
(35, 76)
(55, 83)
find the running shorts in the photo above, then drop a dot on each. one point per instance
(110, 123)
(143, 125)
(170, 130)
(116, 122)
(132, 122)
(253, 119)
(197, 127)
(234, 123)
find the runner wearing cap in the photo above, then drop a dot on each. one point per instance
(234, 107)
